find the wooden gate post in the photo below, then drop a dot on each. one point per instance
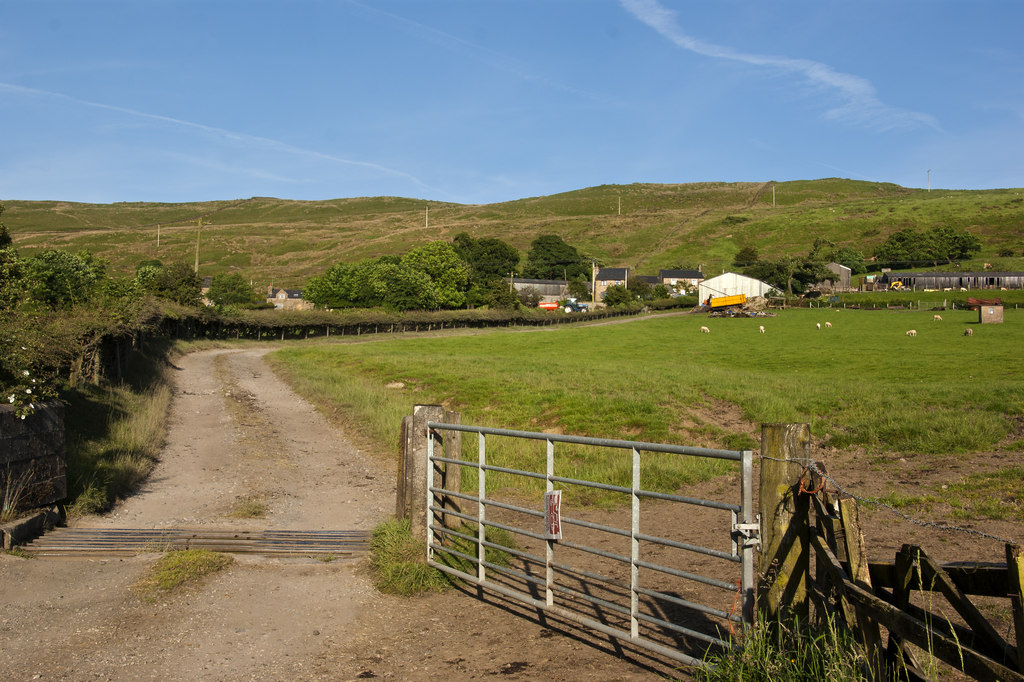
(1015, 575)
(414, 467)
(403, 497)
(785, 550)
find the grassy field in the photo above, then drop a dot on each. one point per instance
(863, 383)
(660, 226)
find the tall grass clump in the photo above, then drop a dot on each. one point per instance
(770, 653)
(399, 561)
(114, 436)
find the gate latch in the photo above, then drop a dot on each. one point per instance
(750, 532)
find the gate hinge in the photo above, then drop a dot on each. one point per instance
(750, 532)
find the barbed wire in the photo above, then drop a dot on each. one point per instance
(810, 464)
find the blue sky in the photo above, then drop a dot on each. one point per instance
(479, 101)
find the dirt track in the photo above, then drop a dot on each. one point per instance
(237, 433)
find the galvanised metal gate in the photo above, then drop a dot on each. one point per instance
(640, 595)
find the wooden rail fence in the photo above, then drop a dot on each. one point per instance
(814, 564)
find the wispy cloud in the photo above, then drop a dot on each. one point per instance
(859, 102)
(494, 59)
(242, 138)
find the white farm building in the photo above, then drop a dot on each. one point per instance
(732, 284)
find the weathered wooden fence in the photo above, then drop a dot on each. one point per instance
(814, 563)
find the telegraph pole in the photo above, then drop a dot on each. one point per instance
(929, 179)
(198, 232)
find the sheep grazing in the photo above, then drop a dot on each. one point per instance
(937, 318)
(828, 324)
(968, 332)
(705, 330)
(761, 329)
(912, 332)
(818, 325)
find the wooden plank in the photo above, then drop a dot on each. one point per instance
(944, 648)
(856, 554)
(906, 571)
(978, 578)
(987, 639)
(1015, 578)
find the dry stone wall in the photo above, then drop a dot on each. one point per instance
(32, 457)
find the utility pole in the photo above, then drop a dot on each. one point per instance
(511, 276)
(427, 217)
(593, 283)
(773, 195)
(620, 204)
(929, 179)
(158, 235)
(198, 232)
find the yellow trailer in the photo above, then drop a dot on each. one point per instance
(725, 301)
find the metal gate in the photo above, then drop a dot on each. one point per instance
(652, 588)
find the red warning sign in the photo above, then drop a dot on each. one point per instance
(553, 514)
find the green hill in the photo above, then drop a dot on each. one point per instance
(642, 226)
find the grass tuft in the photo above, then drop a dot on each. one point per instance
(179, 568)
(248, 507)
(781, 652)
(400, 561)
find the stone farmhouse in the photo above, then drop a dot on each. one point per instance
(287, 299)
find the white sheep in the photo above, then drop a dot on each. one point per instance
(828, 324)
(912, 332)
(705, 330)
(937, 318)
(818, 325)
(761, 329)
(968, 332)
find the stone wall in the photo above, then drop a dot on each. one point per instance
(32, 457)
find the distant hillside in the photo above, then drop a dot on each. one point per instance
(642, 226)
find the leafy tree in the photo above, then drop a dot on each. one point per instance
(851, 258)
(231, 289)
(58, 279)
(950, 244)
(12, 273)
(639, 289)
(179, 283)
(792, 274)
(660, 291)
(551, 258)
(529, 297)
(617, 294)
(904, 248)
(746, 256)
(499, 295)
(579, 288)
(445, 270)
(487, 258)
(408, 288)
(5, 238)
